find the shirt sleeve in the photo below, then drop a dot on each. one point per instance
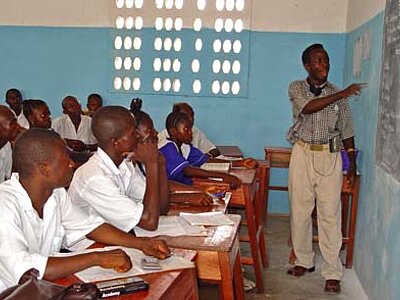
(298, 97)
(175, 162)
(91, 139)
(77, 222)
(201, 142)
(15, 256)
(196, 157)
(104, 195)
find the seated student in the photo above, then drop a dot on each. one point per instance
(94, 102)
(179, 193)
(110, 184)
(200, 141)
(74, 127)
(183, 159)
(38, 115)
(37, 217)
(14, 101)
(9, 130)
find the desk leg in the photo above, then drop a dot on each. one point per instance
(352, 226)
(256, 236)
(231, 271)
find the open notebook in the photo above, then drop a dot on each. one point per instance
(216, 167)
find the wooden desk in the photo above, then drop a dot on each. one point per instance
(246, 197)
(232, 151)
(218, 258)
(170, 285)
(278, 157)
(176, 208)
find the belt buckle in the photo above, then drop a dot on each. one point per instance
(316, 147)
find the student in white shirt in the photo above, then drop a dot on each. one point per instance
(74, 127)
(9, 129)
(109, 183)
(200, 141)
(14, 101)
(37, 217)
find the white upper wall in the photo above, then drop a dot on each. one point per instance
(360, 11)
(324, 16)
(300, 15)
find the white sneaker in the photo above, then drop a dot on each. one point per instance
(248, 284)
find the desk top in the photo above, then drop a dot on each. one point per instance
(232, 151)
(220, 238)
(176, 208)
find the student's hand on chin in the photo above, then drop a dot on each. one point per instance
(250, 163)
(147, 152)
(115, 259)
(156, 248)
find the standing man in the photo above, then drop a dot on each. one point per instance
(323, 123)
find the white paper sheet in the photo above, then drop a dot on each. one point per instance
(172, 226)
(99, 274)
(207, 219)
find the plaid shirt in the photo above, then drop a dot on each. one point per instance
(319, 127)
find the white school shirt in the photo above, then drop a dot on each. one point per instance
(5, 162)
(23, 121)
(116, 193)
(66, 129)
(200, 141)
(26, 240)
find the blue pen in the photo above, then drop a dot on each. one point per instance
(219, 195)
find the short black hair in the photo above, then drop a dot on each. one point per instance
(305, 57)
(33, 147)
(109, 122)
(13, 90)
(66, 98)
(181, 106)
(94, 95)
(175, 118)
(30, 104)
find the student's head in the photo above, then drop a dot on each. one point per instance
(316, 62)
(115, 129)
(71, 107)
(94, 102)
(14, 100)
(43, 153)
(144, 124)
(37, 113)
(179, 127)
(185, 108)
(136, 104)
(9, 127)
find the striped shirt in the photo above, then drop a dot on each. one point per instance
(319, 127)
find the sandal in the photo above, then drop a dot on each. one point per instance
(298, 271)
(332, 286)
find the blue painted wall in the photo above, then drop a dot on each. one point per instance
(377, 240)
(51, 62)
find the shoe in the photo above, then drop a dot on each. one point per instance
(248, 284)
(298, 271)
(332, 286)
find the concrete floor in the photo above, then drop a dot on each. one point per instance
(279, 285)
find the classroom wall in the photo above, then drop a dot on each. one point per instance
(54, 48)
(377, 239)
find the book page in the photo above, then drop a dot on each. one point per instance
(207, 219)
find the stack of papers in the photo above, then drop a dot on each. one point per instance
(207, 219)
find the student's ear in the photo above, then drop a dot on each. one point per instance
(307, 67)
(44, 169)
(115, 142)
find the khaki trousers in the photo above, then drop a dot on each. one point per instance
(316, 176)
